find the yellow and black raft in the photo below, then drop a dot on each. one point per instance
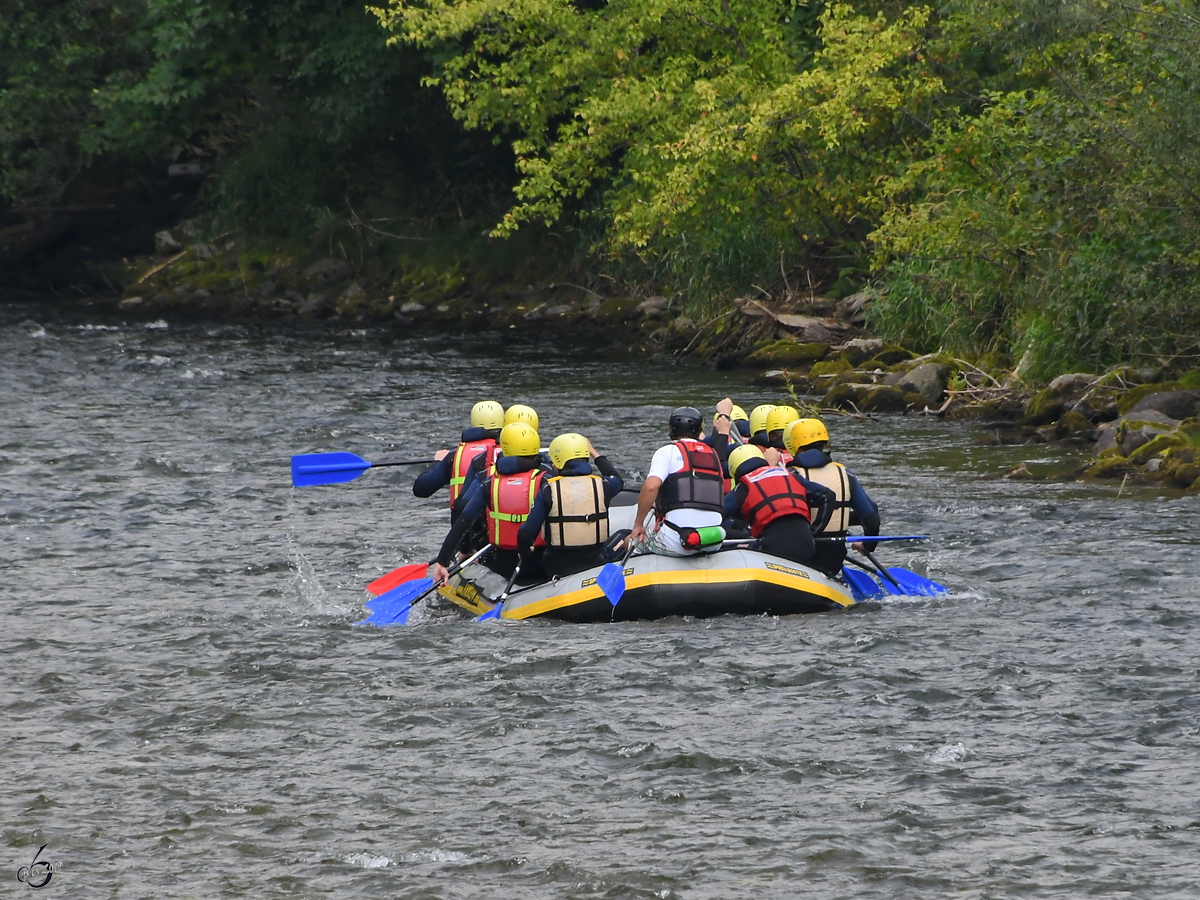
(734, 581)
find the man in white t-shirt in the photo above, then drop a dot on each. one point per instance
(685, 487)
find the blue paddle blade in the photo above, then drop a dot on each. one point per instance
(493, 613)
(612, 581)
(916, 585)
(326, 468)
(862, 586)
(392, 608)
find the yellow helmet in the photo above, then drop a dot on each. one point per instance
(780, 417)
(567, 447)
(518, 439)
(803, 432)
(487, 414)
(738, 415)
(743, 453)
(520, 413)
(758, 418)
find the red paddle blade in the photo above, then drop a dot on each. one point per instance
(385, 583)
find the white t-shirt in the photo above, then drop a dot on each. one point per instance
(667, 460)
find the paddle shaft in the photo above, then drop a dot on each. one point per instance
(856, 538)
(450, 573)
(883, 571)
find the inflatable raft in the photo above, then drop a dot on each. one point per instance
(735, 581)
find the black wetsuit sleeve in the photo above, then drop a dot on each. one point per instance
(529, 529)
(476, 502)
(865, 511)
(613, 483)
(434, 478)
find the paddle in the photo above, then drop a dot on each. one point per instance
(855, 538)
(909, 583)
(392, 608)
(883, 571)
(385, 583)
(861, 585)
(494, 612)
(612, 577)
(333, 468)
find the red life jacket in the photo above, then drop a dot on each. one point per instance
(772, 492)
(463, 457)
(700, 484)
(512, 498)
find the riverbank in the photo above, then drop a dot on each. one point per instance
(814, 351)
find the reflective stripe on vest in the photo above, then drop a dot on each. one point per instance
(772, 492)
(578, 514)
(834, 477)
(512, 498)
(463, 457)
(700, 484)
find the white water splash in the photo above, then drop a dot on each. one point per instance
(308, 587)
(367, 861)
(436, 856)
(950, 753)
(157, 325)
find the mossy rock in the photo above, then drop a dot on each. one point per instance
(1109, 467)
(829, 367)
(891, 354)
(849, 378)
(1071, 423)
(1044, 407)
(1133, 395)
(845, 396)
(788, 353)
(1182, 473)
(884, 399)
(1153, 447)
(1108, 452)
(1191, 379)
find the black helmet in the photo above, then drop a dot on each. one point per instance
(686, 422)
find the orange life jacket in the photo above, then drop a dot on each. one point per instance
(512, 498)
(463, 457)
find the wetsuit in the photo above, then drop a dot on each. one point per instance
(478, 503)
(851, 506)
(788, 536)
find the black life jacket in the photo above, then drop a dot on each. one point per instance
(700, 484)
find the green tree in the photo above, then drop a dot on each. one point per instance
(700, 129)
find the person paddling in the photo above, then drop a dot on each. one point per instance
(502, 500)
(808, 442)
(571, 509)
(482, 465)
(774, 502)
(451, 468)
(685, 488)
(778, 419)
(757, 425)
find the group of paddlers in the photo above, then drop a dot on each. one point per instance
(766, 477)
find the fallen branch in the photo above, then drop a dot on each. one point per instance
(170, 262)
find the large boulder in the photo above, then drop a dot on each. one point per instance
(1145, 425)
(860, 350)
(1058, 397)
(328, 271)
(1176, 404)
(788, 353)
(928, 379)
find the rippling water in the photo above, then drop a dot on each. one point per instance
(188, 710)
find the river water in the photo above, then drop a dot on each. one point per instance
(188, 710)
